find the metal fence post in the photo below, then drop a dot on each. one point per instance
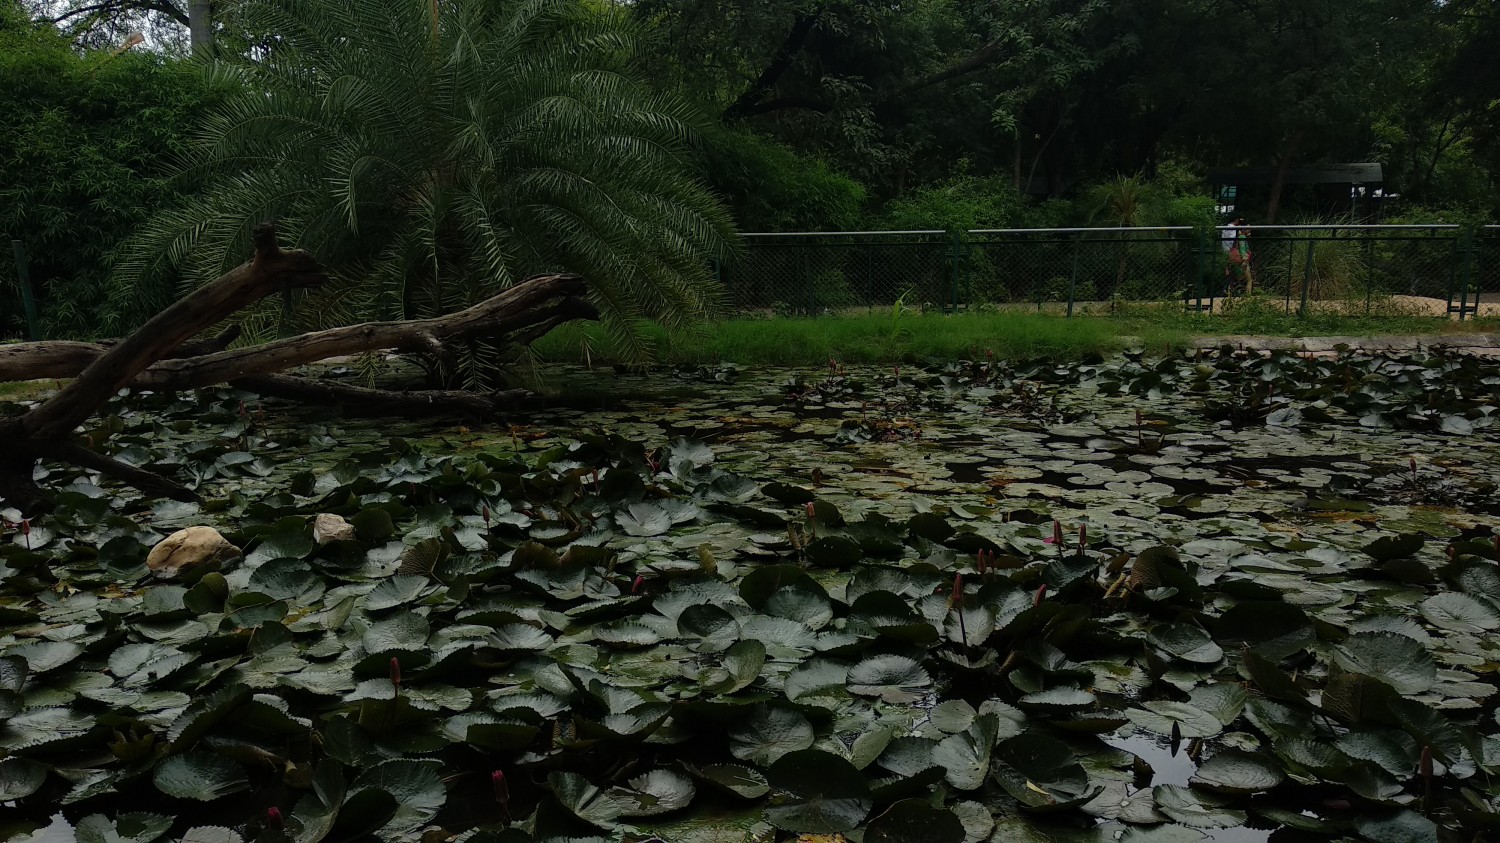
(1073, 276)
(955, 268)
(1306, 278)
(1369, 270)
(1466, 269)
(23, 275)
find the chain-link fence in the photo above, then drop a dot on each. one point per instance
(1356, 269)
(811, 273)
(1486, 269)
(1353, 269)
(1073, 268)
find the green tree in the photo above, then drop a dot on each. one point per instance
(86, 138)
(430, 167)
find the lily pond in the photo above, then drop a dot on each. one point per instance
(1224, 596)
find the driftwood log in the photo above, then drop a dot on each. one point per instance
(163, 356)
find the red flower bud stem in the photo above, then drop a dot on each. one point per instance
(1083, 536)
(396, 671)
(1057, 535)
(273, 818)
(1041, 594)
(638, 585)
(958, 605)
(486, 516)
(502, 790)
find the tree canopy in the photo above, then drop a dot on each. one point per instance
(800, 115)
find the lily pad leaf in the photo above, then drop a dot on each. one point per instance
(587, 802)
(813, 675)
(42, 656)
(1398, 661)
(1160, 716)
(714, 628)
(768, 734)
(1401, 827)
(1195, 809)
(741, 666)
(895, 679)
(744, 782)
(1401, 546)
(656, 792)
(1187, 642)
(416, 785)
(1041, 772)
(204, 776)
(1460, 613)
(915, 821)
(126, 828)
(1230, 771)
(817, 793)
(19, 778)
(644, 519)
(406, 632)
(396, 591)
(966, 755)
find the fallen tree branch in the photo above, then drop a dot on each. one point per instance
(162, 356)
(361, 400)
(271, 270)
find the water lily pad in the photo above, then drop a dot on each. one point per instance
(19, 778)
(1161, 716)
(740, 666)
(966, 756)
(204, 776)
(1460, 613)
(744, 782)
(769, 733)
(915, 821)
(653, 793)
(1187, 642)
(1042, 773)
(126, 828)
(1229, 771)
(817, 793)
(1394, 659)
(895, 679)
(1195, 809)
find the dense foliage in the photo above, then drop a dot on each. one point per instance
(429, 168)
(86, 141)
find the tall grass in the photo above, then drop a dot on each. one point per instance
(908, 336)
(879, 338)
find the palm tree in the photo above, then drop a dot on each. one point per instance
(430, 155)
(1122, 201)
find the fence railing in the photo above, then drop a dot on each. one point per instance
(1438, 269)
(1444, 270)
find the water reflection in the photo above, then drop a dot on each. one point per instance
(1177, 767)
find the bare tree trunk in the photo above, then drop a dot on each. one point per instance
(1283, 166)
(200, 25)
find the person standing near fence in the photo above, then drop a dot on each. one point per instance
(1235, 239)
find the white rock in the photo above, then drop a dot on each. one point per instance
(188, 549)
(328, 527)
